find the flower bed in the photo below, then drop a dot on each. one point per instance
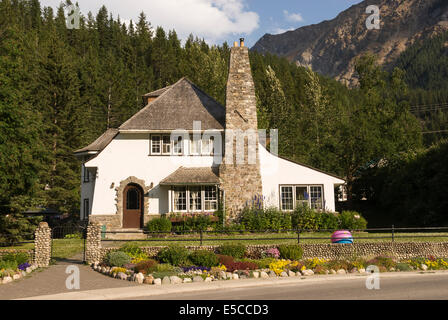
(14, 266)
(174, 265)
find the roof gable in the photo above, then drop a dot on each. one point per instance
(176, 108)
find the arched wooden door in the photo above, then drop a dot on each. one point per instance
(133, 206)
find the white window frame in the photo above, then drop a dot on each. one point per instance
(308, 190)
(152, 145)
(170, 144)
(199, 146)
(180, 141)
(292, 196)
(210, 147)
(202, 195)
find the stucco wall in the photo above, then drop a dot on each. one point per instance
(128, 155)
(276, 171)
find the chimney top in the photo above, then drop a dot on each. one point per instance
(241, 42)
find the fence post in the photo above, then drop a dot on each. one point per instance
(93, 243)
(393, 233)
(298, 236)
(42, 245)
(200, 233)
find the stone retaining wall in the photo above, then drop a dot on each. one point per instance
(399, 250)
(42, 245)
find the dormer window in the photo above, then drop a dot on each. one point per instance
(208, 146)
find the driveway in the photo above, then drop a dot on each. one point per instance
(52, 280)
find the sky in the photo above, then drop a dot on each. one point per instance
(217, 21)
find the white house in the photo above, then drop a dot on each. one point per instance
(147, 167)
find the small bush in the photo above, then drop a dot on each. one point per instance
(270, 253)
(146, 266)
(8, 265)
(241, 265)
(117, 259)
(134, 252)
(264, 263)
(161, 224)
(403, 267)
(257, 219)
(328, 220)
(175, 255)
(19, 257)
(352, 220)
(291, 252)
(303, 217)
(204, 258)
(223, 259)
(234, 250)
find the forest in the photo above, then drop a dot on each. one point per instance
(61, 88)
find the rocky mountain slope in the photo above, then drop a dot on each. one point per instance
(331, 47)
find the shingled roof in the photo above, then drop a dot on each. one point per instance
(176, 107)
(192, 176)
(100, 143)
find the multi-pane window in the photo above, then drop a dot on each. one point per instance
(287, 198)
(302, 195)
(208, 146)
(178, 145)
(195, 146)
(195, 198)
(155, 144)
(316, 197)
(180, 199)
(166, 144)
(210, 198)
(86, 208)
(296, 195)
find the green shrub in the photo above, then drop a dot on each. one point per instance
(77, 235)
(352, 220)
(303, 217)
(204, 258)
(235, 250)
(328, 220)
(256, 219)
(8, 265)
(117, 259)
(291, 252)
(403, 267)
(18, 257)
(161, 224)
(175, 255)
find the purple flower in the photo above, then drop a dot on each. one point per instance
(23, 266)
(194, 268)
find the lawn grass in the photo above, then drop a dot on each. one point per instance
(280, 238)
(62, 248)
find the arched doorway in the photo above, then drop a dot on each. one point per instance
(133, 206)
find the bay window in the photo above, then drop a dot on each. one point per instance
(194, 198)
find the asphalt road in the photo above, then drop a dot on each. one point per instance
(420, 286)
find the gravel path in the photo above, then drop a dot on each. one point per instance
(52, 280)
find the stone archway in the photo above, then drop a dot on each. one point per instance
(120, 199)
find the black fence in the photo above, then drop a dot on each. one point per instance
(11, 240)
(299, 234)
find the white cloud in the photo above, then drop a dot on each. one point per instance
(213, 20)
(281, 30)
(293, 17)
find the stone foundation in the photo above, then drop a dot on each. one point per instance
(110, 221)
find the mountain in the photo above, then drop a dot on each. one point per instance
(331, 47)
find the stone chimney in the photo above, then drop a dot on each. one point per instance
(240, 181)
